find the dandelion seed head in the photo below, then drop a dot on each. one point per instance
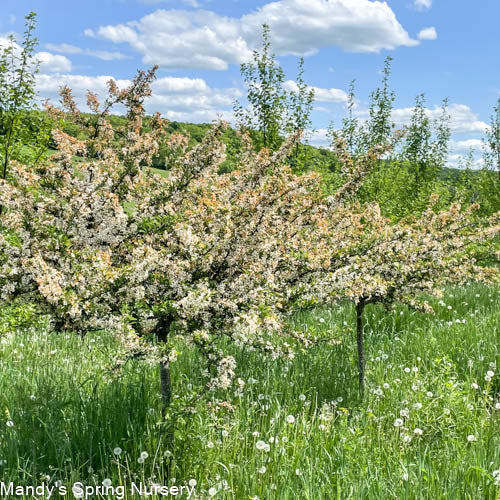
(260, 445)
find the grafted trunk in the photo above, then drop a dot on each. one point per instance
(360, 306)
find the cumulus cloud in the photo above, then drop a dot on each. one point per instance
(48, 62)
(301, 27)
(427, 34)
(5, 42)
(182, 39)
(181, 99)
(49, 85)
(422, 4)
(191, 3)
(53, 63)
(320, 94)
(66, 48)
(466, 145)
(205, 39)
(462, 119)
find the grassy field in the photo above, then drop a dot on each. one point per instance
(427, 429)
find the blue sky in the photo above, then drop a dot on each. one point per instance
(441, 48)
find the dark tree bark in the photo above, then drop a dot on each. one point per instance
(360, 306)
(163, 331)
(166, 386)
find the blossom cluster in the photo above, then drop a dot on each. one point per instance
(106, 243)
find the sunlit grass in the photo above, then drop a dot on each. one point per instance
(426, 429)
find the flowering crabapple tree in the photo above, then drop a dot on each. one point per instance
(400, 262)
(104, 243)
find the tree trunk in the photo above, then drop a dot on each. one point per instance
(163, 331)
(360, 306)
(166, 386)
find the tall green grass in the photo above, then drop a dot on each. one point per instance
(64, 411)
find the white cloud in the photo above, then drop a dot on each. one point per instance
(466, 145)
(191, 3)
(205, 39)
(320, 94)
(427, 34)
(48, 62)
(182, 99)
(52, 63)
(463, 120)
(422, 4)
(181, 85)
(302, 27)
(182, 39)
(5, 42)
(49, 85)
(66, 48)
